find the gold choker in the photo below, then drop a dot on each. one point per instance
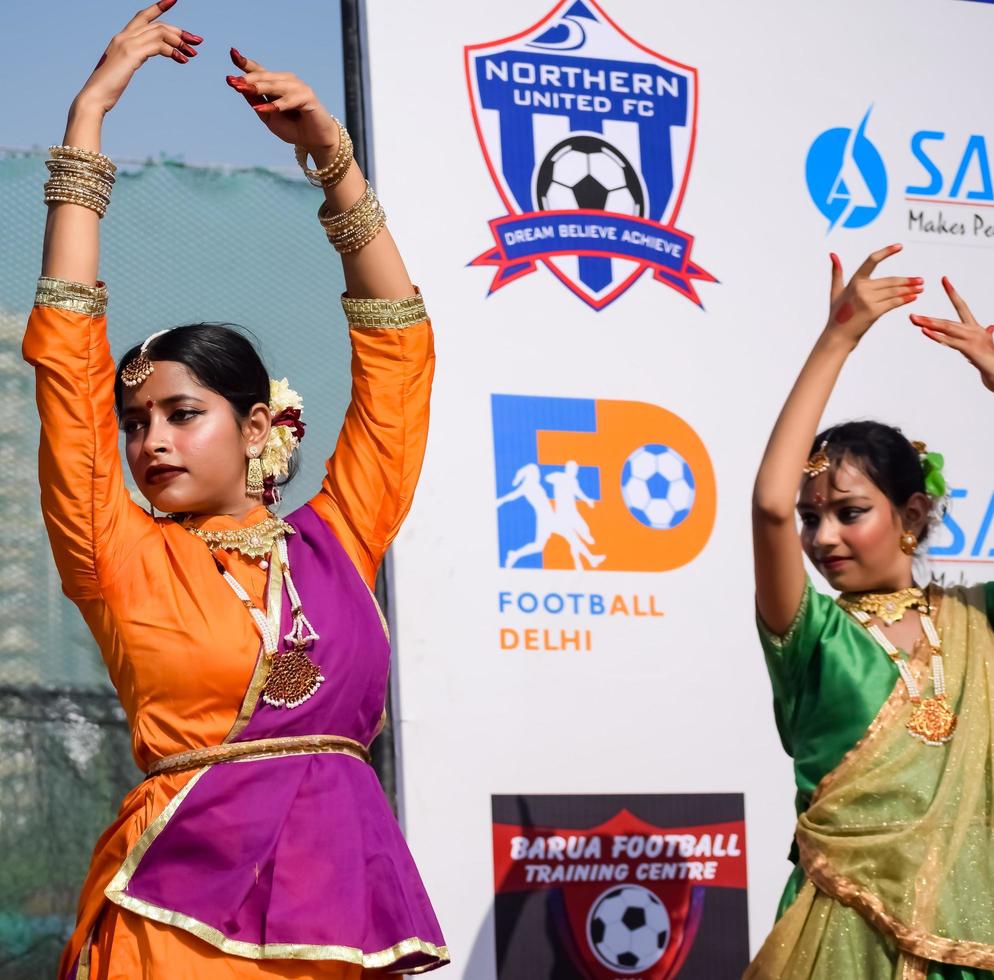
(890, 607)
(256, 541)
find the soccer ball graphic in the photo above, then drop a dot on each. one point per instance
(587, 172)
(628, 928)
(657, 486)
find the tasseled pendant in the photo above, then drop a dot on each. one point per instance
(293, 678)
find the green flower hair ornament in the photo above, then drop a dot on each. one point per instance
(935, 482)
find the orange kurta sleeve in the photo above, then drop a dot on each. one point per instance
(374, 470)
(92, 521)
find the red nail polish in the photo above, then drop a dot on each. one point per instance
(265, 108)
(181, 58)
(946, 283)
(232, 80)
(191, 38)
(238, 58)
(188, 51)
(835, 260)
(164, 5)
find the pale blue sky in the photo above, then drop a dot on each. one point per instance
(185, 112)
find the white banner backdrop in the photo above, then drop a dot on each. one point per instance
(739, 144)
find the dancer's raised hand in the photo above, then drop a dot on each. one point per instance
(286, 104)
(974, 342)
(143, 37)
(858, 304)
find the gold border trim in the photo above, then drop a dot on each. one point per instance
(120, 880)
(274, 607)
(961, 952)
(375, 313)
(378, 608)
(776, 640)
(116, 893)
(75, 297)
(914, 968)
(260, 748)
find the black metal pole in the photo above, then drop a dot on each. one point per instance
(354, 66)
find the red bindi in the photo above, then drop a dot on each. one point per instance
(819, 498)
(150, 404)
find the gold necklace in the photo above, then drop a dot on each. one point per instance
(932, 721)
(292, 676)
(887, 606)
(256, 541)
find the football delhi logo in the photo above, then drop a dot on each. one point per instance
(588, 136)
(584, 483)
(628, 929)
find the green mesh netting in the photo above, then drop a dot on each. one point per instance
(179, 244)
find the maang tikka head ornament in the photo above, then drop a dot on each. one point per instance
(140, 367)
(818, 461)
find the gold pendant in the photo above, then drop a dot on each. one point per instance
(932, 721)
(293, 678)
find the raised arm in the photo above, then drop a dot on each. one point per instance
(777, 551)
(87, 509)
(375, 467)
(291, 110)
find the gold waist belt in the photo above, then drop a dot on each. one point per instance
(260, 748)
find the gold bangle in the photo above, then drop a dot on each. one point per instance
(355, 228)
(81, 177)
(81, 189)
(86, 156)
(332, 174)
(79, 180)
(83, 198)
(63, 168)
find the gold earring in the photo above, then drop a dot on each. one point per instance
(909, 542)
(254, 485)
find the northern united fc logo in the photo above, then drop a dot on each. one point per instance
(589, 137)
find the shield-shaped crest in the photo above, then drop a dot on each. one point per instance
(589, 137)
(642, 928)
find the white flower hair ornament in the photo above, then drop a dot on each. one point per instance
(287, 429)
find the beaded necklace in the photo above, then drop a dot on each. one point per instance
(932, 720)
(292, 676)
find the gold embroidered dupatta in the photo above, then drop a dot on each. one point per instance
(897, 843)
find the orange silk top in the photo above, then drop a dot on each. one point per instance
(180, 648)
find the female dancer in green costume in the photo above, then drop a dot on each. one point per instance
(883, 698)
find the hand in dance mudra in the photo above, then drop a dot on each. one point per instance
(858, 304)
(143, 37)
(974, 342)
(287, 106)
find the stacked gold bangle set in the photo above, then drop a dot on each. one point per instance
(79, 177)
(86, 178)
(356, 227)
